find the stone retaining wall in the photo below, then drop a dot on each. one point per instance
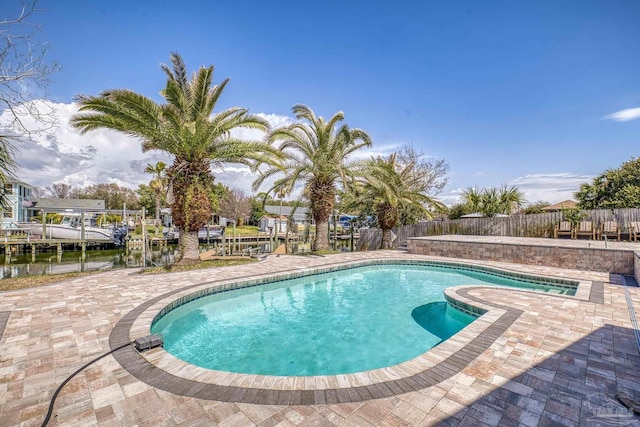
(621, 261)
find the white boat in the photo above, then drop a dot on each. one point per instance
(70, 228)
(210, 232)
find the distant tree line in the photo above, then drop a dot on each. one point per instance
(614, 188)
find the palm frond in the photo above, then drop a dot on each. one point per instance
(175, 96)
(200, 92)
(214, 95)
(333, 121)
(301, 111)
(180, 72)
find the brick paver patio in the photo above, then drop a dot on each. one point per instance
(545, 360)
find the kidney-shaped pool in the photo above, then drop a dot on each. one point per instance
(341, 322)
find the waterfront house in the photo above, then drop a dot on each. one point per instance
(270, 223)
(19, 200)
(565, 204)
(67, 205)
(299, 218)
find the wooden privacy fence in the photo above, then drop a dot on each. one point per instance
(534, 225)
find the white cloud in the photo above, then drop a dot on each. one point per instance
(450, 198)
(624, 115)
(61, 154)
(551, 187)
(378, 150)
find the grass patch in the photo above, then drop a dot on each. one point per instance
(24, 282)
(245, 230)
(197, 265)
(318, 253)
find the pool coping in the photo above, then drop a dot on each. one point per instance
(160, 369)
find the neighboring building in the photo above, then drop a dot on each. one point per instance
(481, 215)
(50, 205)
(344, 221)
(19, 200)
(299, 217)
(566, 204)
(61, 205)
(270, 223)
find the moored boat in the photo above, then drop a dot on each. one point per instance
(210, 232)
(71, 228)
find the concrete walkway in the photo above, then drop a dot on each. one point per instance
(560, 360)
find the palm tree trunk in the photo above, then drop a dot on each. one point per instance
(322, 198)
(157, 210)
(386, 239)
(387, 219)
(321, 242)
(188, 247)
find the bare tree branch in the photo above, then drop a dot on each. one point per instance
(60, 190)
(24, 74)
(235, 204)
(24, 71)
(428, 174)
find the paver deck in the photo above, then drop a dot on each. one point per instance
(557, 360)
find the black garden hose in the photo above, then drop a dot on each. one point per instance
(55, 395)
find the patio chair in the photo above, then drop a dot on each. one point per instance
(587, 229)
(610, 230)
(563, 228)
(634, 230)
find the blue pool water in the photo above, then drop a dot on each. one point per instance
(334, 323)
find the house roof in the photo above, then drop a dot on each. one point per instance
(565, 204)
(274, 217)
(22, 183)
(61, 204)
(473, 215)
(481, 215)
(301, 211)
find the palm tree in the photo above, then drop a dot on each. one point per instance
(510, 199)
(317, 156)
(472, 198)
(158, 184)
(493, 201)
(391, 186)
(186, 127)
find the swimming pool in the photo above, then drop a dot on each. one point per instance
(333, 323)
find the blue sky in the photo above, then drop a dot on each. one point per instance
(505, 91)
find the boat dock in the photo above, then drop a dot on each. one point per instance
(19, 242)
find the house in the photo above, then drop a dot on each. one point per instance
(19, 201)
(45, 206)
(481, 215)
(565, 204)
(301, 215)
(62, 205)
(270, 224)
(343, 220)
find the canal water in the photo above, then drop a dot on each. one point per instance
(71, 261)
(104, 259)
